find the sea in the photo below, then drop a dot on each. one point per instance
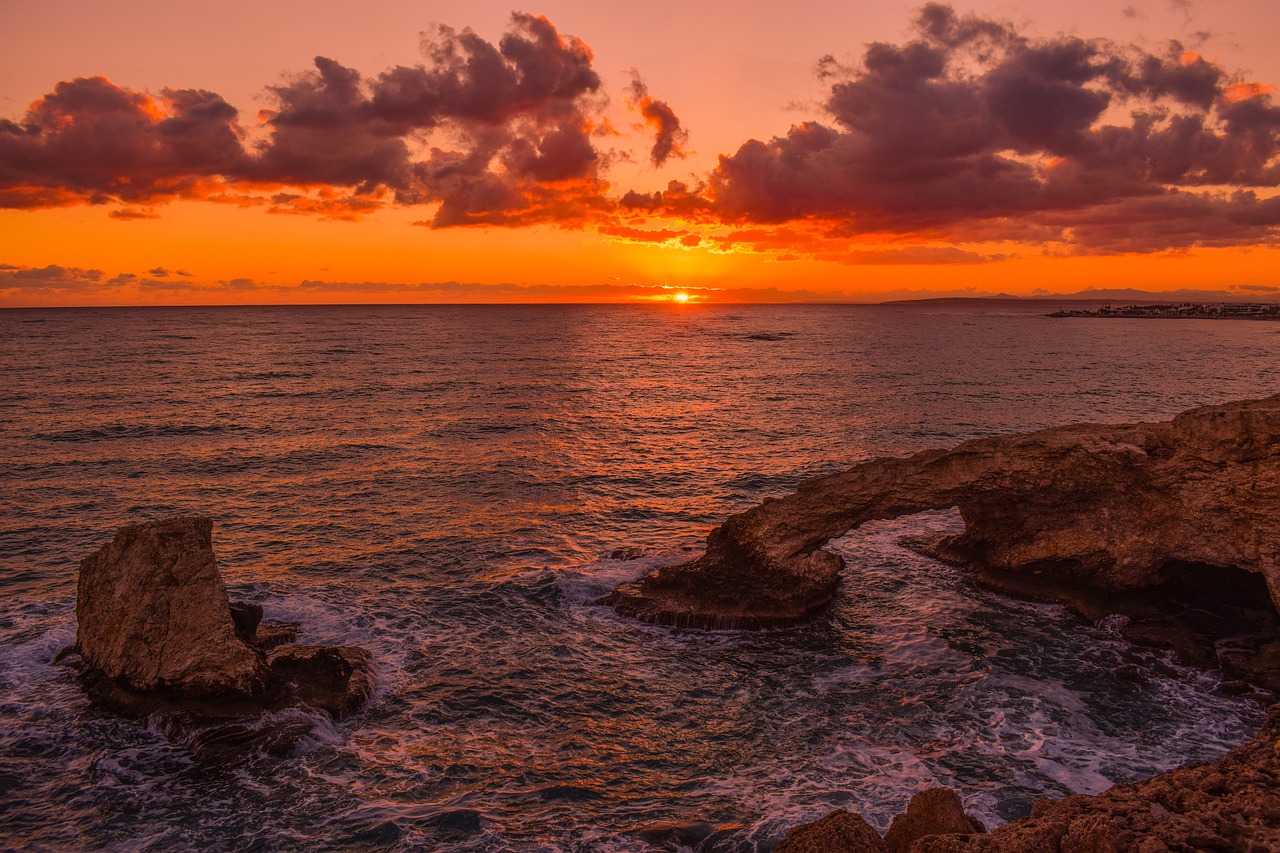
(451, 487)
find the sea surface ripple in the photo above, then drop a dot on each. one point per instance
(444, 485)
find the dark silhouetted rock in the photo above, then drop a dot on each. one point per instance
(1110, 508)
(152, 614)
(334, 679)
(838, 832)
(932, 812)
(272, 634)
(247, 617)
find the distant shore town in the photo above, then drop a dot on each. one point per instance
(1184, 311)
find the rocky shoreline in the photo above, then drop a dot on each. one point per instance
(157, 637)
(1175, 526)
(1171, 525)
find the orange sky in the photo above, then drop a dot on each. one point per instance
(157, 156)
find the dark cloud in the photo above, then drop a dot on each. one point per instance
(50, 273)
(25, 283)
(92, 141)
(494, 133)
(669, 136)
(973, 130)
(969, 131)
(126, 214)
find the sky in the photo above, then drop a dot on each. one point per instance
(325, 152)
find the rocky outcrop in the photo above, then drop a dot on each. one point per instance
(152, 614)
(1112, 508)
(156, 633)
(931, 812)
(1232, 804)
(838, 832)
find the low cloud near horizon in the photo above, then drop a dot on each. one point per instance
(967, 134)
(28, 286)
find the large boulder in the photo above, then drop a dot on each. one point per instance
(156, 634)
(1112, 508)
(152, 614)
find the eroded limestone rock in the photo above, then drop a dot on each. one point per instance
(152, 614)
(838, 832)
(1108, 507)
(931, 812)
(156, 634)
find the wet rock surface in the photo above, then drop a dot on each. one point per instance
(1232, 804)
(157, 635)
(931, 812)
(838, 832)
(1105, 508)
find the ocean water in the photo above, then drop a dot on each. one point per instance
(444, 486)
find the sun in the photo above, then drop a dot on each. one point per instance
(680, 297)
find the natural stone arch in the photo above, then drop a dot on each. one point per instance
(1099, 505)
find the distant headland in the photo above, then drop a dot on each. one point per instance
(1183, 311)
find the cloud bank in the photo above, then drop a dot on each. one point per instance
(508, 130)
(970, 133)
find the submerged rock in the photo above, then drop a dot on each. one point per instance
(156, 634)
(334, 679)
(1110, 508)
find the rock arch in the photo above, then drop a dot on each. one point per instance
(1100, 505)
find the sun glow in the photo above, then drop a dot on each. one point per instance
(680, 296)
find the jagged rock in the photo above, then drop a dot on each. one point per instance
(931, 812)
(152, 614)
(156, 634)
(272, 634)
(1113, 508)
(1232, 804)
(334, 679)
(838, 832)
(247, 617)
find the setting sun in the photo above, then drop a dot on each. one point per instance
(681, 297)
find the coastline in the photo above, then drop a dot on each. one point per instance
(1180, 311)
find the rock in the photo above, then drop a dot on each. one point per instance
(152, 614)
(838, 832)
(334, 679)
(676, 835)
(1111, 508)
(246, 617)
(932, 812)
(1232, 804)
(272, 634)
(156, 634)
